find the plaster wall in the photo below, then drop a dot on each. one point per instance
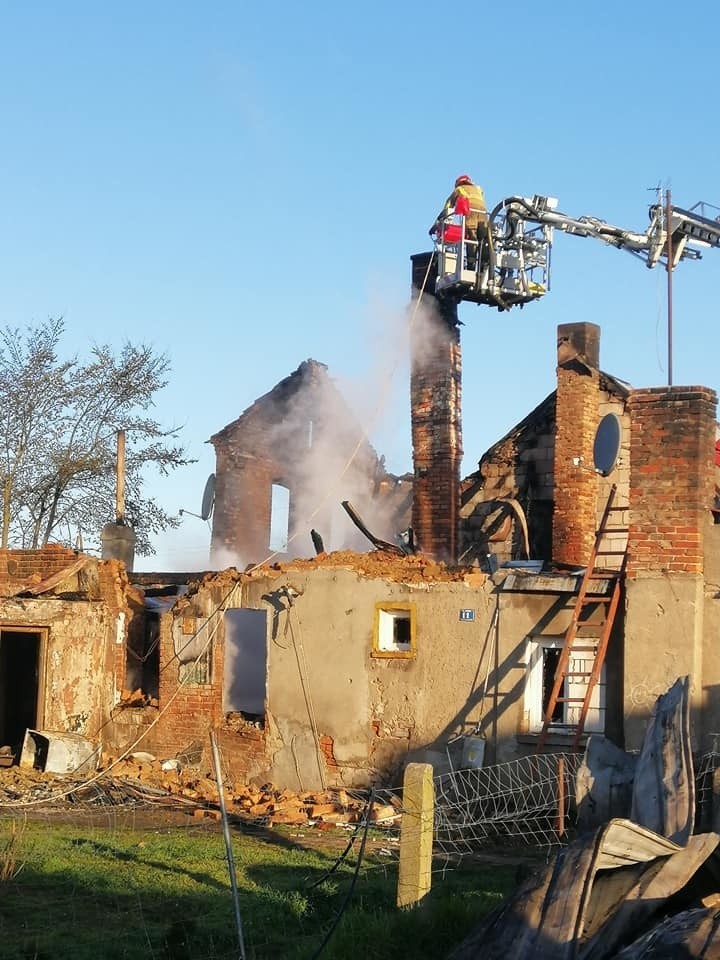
(335, 712)
(711, 633)
(375, 712)
(663, 641)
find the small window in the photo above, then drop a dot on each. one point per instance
(197, 672)
(394, 634)
(543, 658)
(192, 651)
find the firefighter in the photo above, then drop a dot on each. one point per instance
(467, 198)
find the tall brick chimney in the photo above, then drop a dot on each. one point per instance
(672, 478)
(576, 420)
(672, 486)
(435, 402)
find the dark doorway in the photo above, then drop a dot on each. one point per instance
(19, 685)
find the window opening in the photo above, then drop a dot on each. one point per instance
(279, 517)
(551, 658)
(543, 657)
(245, 673)
(192, 646)
(142, 664)
(394, 630)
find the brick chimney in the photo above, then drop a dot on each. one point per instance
(672, 486)
(576, 420)
(435, 402)
(672, 478)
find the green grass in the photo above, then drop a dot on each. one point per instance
(108, 893)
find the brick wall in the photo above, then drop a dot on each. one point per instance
(25, 567)
(241, 520)
(188, 712)
(520, 465)
(436, 421)
(576, 483)
(672, 478)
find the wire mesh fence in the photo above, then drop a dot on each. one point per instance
(56, 859)
(707, 793)
(527, 801)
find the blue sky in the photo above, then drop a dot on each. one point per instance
(242, 186)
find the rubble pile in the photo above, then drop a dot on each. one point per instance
(141, 777)
(264, 804)
(414, 568)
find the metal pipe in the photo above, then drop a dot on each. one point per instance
(228, 845)
(120, 478)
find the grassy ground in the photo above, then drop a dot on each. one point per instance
(111, 892)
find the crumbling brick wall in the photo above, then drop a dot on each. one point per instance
(302, 436)
(241, 521)
(188, 708)
(20, 568)
(81, 609)
(519, 467)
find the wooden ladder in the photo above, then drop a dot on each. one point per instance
(600, 586)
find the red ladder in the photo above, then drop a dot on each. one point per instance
(600, 587)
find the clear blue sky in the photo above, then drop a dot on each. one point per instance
(242, 185)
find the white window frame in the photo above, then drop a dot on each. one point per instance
(385, 643)
(575, 687)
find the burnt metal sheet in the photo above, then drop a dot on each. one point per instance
(604, 783)
(664, 789)
(547, 915)
(693, 933)
(619, 909)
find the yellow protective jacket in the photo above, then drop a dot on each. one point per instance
(478, 210)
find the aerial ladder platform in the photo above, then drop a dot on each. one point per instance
(508, 263)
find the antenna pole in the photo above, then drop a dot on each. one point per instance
(668, 229)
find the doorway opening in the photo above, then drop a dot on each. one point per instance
(20, 670)
(245, 686)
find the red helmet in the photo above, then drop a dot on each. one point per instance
(463, 178)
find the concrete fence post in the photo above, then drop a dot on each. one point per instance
(561, 796)
(416, 835)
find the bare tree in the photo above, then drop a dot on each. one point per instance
(58, 423)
